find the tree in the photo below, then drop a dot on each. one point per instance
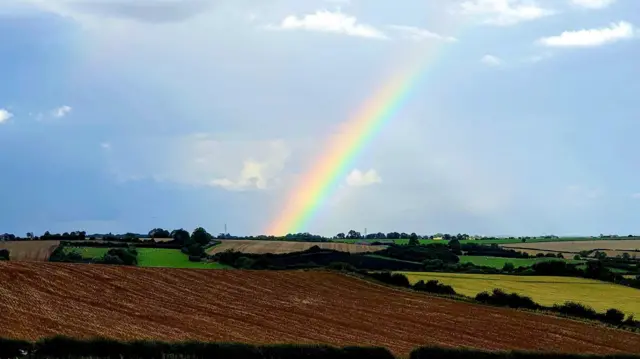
(455, 246)
(181, 236)
(340, 235)
(577, 257)
(524, 239)
(353, 235)
(159, 233)
(4, 254)
(201, 236)
(508, 267)
(414, 241)
(626, 256)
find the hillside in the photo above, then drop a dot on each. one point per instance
(43, 299)
(279, 247)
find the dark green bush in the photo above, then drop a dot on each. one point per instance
(391, 278)
(4, 255)
(614, 316)
(513, 300)
(342, 266)
(433, 286)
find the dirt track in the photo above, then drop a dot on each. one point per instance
(42, 299)
(277, 247)
(29, 250)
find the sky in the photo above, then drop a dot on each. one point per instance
(125, 115)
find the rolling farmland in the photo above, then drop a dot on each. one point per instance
(613, 247)
(542, 289)
(270, 307)
(29, 250)
(499, 262)
(278, 247)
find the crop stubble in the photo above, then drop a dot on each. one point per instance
(43, 299)
(279, 247)
(29, 250)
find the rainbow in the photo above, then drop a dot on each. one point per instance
(331, 167)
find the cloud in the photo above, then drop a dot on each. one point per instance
(105, 145)
(61, 111)
(593, 4)
(358, 178)
(331, 22)
(591, 37)
(201, 160)
(491, 60)
(418, 34)
(5, 115)
(635, 196)
(505, 12)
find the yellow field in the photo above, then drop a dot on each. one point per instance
(544, 290)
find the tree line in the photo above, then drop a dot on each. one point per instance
(60, 347)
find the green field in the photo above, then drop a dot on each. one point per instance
(174, 258)
(87, 252)
(152, 257)
(542, 289)
(499, 262)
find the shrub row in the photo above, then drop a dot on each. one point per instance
(464, 353)
(500, 298)
(513, 300)
(69, 348)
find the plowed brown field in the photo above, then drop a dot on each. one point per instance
(277, 247)
(43, 299)
(29, 250)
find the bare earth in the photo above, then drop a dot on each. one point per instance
(277, 247)
(614, 246)
(29, 250)
(260, 307)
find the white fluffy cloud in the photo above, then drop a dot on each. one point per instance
(505, 12)
(418, 34)
(5, 115)
(61, 111)
(635, 195)
(358, 178)
(593, 4)
(491, 60)
(591, 37)
(201, 160)
(332, 22)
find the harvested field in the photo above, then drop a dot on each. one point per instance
(29, 250)
(278, 247)
(44, 299)
(546, 290)
(577, 246)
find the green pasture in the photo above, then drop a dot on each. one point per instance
(499, 262)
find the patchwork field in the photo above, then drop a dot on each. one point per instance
(29, 250)
(278, 247)
(620, 246)
(173, 258)
(542, 289)
(152, 257)
(499, 262)
(44, 299)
